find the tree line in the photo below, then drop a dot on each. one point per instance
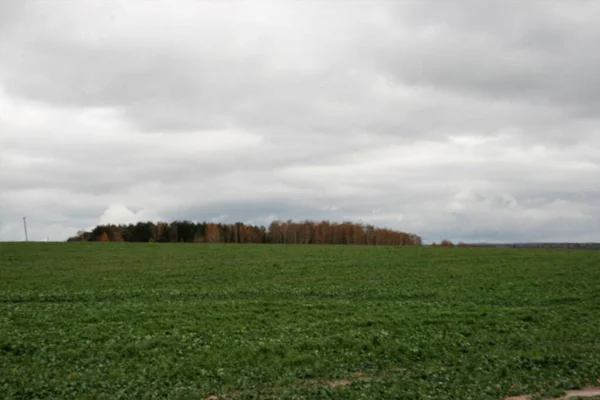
(288, 232)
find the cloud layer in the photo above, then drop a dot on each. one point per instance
(454, 119)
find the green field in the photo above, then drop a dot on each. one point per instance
(187, 321)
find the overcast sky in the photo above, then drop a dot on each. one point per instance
(468, 120)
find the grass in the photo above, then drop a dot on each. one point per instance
(178, 321)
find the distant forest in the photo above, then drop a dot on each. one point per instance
(306, 232)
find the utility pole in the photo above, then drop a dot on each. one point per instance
(25, 228)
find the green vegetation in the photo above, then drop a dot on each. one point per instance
(186, 321)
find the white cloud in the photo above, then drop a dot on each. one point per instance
(119, 214)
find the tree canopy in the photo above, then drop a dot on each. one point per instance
(288, 232)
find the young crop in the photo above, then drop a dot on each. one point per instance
(190, 321)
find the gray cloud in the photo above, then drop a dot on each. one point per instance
(451, 119)
(527, 52)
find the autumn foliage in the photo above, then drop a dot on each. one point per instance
(288, 232)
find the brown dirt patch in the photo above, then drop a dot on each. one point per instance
(357, 377)
(223, 396)
(569, 394)
(320, 383)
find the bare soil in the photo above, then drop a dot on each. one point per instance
(356, 377)
(570, 394)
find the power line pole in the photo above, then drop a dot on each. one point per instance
(25, 228)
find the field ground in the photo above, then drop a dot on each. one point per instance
(154, 321)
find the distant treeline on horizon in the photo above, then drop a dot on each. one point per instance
(289, 232)
(542, 245)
